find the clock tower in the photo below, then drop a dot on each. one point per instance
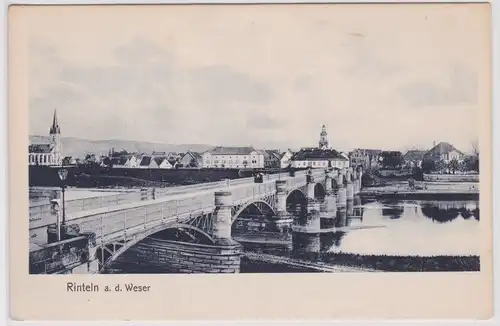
(323, 138)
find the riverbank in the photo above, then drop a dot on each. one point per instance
(401, 263)
(426, 191)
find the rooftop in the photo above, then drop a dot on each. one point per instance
(317, 154)
(442, 148)
(40, 148)
(223, 150)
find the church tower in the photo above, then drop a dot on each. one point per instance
(55, 140)
(323, 138)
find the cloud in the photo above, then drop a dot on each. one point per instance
(222, 83)
(143, 93)
(261, 121)
(460, 90)
(364, 60)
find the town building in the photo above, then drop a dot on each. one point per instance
(147, 162)
(271, 158)
(125, 161)
(162, 162)
(444, 152)
(364, 157)
(50, 153)
(285, 158)
(413, 157)
(174, 162)
(174, 156)
(233, 157)
(319, 158)
(191, 160)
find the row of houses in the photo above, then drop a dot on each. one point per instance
(155, 160)
(442, 151)
(222, 157)
(217, 157)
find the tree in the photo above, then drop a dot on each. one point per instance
(392, 159)
(428, 166)
(471, 163)
(192, 163)
(475, 147)
(440, 166)
(453, 165)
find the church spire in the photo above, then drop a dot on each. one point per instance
(323, 138)
(55, 125)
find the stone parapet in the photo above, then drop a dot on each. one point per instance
(180, 257)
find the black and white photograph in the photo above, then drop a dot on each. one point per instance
(222, 142)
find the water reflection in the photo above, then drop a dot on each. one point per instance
(447, 211)
(424, 228)
(392, 209)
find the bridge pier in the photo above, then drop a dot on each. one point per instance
(283, 220)
(328, 208)
(222, 218)
(306, 233)
(165, 256)
(355, 182)
(349, 185)
(360, 175)
(313, 205)
(341, 192)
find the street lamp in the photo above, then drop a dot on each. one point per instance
(63, 173)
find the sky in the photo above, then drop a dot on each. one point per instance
(378, 76)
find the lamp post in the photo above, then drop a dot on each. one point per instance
(63, 173)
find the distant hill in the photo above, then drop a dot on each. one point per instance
(79, 147)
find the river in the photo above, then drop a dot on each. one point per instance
(390, 235)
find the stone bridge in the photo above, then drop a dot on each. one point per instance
(202, 218)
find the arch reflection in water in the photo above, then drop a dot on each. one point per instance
(331, 241)
(358, 208)
(341, 220)
(350, 208)
(392, 209)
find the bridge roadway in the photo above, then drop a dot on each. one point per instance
(40, 214)
(131, 222)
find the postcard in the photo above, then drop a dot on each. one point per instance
(265, 161)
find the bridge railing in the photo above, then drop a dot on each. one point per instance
(127, 222)
(39, 212)
(252, 191)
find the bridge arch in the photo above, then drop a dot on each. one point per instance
(263, 208)
(296, 195)
(195, 231)
(296, 202)
(319, 190)
(111, 251)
